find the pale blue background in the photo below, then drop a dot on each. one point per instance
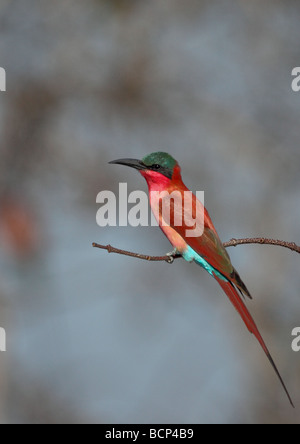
(93, 337)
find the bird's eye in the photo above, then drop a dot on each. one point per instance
(156, 166)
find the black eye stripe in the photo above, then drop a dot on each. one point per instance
(162, 170)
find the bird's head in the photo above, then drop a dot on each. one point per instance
(155, 167)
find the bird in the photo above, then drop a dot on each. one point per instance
(204, 247)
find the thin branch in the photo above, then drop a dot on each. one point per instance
(145, 257)
(232, 243)
(262, 240)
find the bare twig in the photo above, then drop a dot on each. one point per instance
(232, 243)
(145, 257)
(262, 240)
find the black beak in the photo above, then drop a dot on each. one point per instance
(133, 163)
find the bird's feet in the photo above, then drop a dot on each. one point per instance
(171, 256)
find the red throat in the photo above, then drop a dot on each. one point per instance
(158, 182)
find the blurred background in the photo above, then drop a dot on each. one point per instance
(93, 337)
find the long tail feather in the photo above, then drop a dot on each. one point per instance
(247, 318)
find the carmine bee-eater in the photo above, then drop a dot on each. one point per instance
(163, 175)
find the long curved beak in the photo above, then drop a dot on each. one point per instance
(133, 163)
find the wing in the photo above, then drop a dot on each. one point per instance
(189, 218)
